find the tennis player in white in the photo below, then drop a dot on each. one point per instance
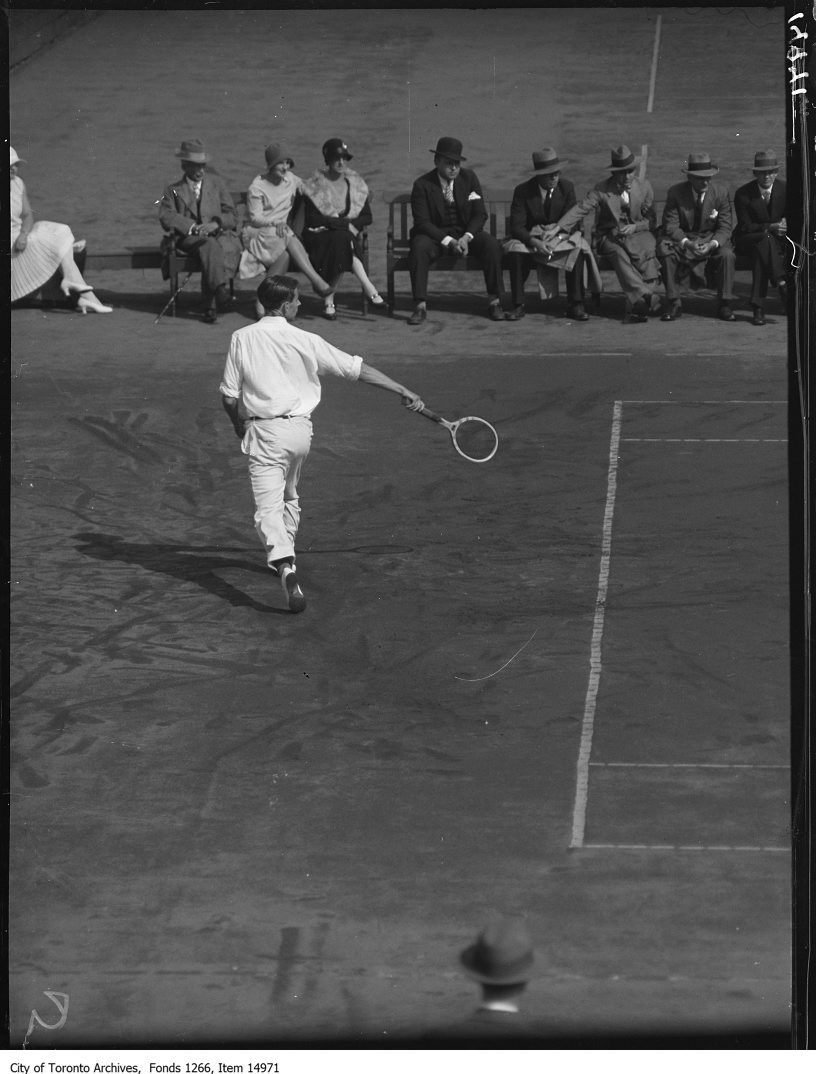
(270, 387)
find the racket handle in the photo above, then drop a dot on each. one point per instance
(426, 413)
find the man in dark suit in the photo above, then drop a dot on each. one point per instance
(761, 230)
(538, 203)
(449, 216)
(695, 247)
(198, 211)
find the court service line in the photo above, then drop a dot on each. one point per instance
(706, 402)
(588, 723)
(655, 52)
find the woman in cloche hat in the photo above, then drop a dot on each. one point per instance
(337, 209)
(39, 250)
(269, 241)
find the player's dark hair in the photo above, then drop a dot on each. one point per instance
(274, 291)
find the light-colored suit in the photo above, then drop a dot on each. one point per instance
(633, 256)
(178, 212)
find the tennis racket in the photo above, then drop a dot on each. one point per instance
(474, 438)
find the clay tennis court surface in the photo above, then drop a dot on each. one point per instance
(553, 685)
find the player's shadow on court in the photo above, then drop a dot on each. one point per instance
(182, 563)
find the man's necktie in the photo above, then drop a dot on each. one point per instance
(447, 193)
(766, 196)
(698, 213)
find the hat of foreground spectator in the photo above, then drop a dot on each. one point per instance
(623, 159)
(334, 148)
(765, 161)
(545, 161)
(699, 164)
(448, 147)
(501, 955)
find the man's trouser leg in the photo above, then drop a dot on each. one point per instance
(723, 265)
(213, 272)
(424, 251)
(489, 252)
(631, 281)
(668, 265)
(520, 265)
(575, 281)
(274, 475)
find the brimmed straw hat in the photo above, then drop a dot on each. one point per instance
(502, 954)
(193, 150)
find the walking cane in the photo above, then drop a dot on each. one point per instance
(173, 297)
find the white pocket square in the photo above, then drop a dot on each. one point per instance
(473, 196)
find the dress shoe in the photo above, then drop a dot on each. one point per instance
(495, 312)
(209, 316)
(329, 312)
(759, 316)
(725, 313)
(637, 314)
(654, 304)
(223, 298)
(87, 302)
(672, 312)
(375, 298)
(419, 315)
(576, 312)
(515, 314)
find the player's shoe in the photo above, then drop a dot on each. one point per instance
(292, 591)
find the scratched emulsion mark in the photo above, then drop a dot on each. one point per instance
(461, 678)
(62, 1007)
(287, 955)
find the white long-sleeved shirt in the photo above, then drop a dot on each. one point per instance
(275, 368)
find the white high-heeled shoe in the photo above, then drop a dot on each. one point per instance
(375, 298)
(89, 303)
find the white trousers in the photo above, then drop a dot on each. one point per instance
(277, 448)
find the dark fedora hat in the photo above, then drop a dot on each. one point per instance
(699, 164)
(546, 161)
(335, 147)
(765, 161)
(502, 954)
(448, 147)
(623, 159)
(193, 149)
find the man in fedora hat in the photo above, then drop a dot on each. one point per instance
(199, 213)
(761, 230)
(695, 249)
(449, 216)
(538, 204)
(502, 961)
(625, 224)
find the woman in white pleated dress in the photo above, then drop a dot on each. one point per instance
(39, 249)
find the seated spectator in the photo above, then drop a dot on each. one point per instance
(41, 249)
(337, 208)
(449, 217)
(199, 213)
(537, 205)
(270, 242)
(624, 232)
(761, 230)
(695, 245)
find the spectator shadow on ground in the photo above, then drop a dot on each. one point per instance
(183, 563)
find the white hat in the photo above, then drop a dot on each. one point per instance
(13, 158)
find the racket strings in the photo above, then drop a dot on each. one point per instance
(476, 439)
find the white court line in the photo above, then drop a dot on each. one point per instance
(587, 726)
(679, 764)
(588, 723)
(707, 402)
(655, 52)
(671, 846)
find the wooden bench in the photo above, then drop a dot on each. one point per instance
(178, 262)
(498, 203)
